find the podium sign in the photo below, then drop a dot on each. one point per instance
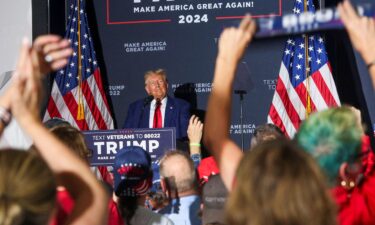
(104, 144)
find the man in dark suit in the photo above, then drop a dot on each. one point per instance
(158, 110)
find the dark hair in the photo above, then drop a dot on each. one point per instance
(266, 132)
(157, 200)
(127, 205)
(56, 121)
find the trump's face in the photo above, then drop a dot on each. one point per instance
(156, 86)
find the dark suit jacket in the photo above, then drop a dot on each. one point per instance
(177, 114)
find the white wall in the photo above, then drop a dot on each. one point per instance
(15, 23)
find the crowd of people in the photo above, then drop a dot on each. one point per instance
(324, 176)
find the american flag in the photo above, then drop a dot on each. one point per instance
(302, 89)
(78, 95)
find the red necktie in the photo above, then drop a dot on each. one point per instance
(158, 122)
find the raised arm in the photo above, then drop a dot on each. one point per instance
(194, 132)
(48, 53)
(361, 31)
(232, 44)
(72, 173)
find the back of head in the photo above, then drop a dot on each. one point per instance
(177, 169)
(214, 197)
(27, 189)
(133, 179)
(266, 132)
(332, 137)
(74, 139)
(277, 183)
(56, 121)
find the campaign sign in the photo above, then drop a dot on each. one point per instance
(105, 144)
(326, 19)
(187, 11)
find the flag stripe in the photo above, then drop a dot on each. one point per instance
(283, 114)
(324, 90)
(292, 94)
(61, 106)
(52, 109)
(92, 107)
(302, 93)
(47, 116)
(326, 74)
(274, 117)
(315, 95)
(99, 86)
(103, 107)
(286, 102)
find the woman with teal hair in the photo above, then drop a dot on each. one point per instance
(334, 138)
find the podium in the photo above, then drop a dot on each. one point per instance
(104, 144)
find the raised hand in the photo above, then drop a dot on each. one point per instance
(232, 45)
(195, 130)
(90, 198)
(50, 53)
(361, 31)
(233, 41)
(27, 88)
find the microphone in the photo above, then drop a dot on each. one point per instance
(147, 100)
(240, 92)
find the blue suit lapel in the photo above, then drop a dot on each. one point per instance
(169, 113)
(145, 120)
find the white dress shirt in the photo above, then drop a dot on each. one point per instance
(152, 111)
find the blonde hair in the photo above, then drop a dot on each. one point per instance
(277, 183)
(27, 188)
(160, 72)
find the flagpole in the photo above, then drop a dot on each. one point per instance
(307, 69)
(80, 110)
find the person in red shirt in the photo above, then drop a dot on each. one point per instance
(335, 138)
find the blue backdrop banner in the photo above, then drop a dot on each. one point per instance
(181, 36)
